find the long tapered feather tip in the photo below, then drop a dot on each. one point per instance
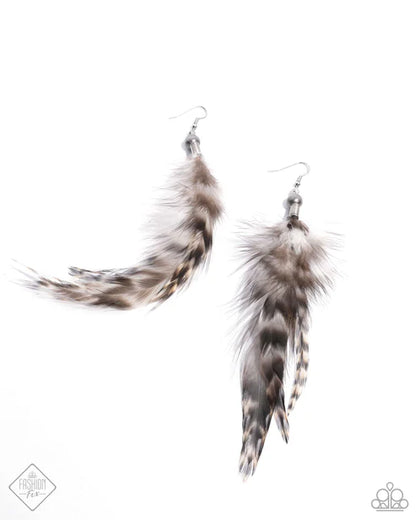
(292, 405)
(180, 244)
(247, 467)
(282, 423)
(23, 275)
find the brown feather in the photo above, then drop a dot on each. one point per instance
(181, 245)
(286, 268)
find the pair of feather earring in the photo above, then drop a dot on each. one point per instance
(286, 268)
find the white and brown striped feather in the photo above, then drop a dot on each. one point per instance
(286, 268)
(181, 243)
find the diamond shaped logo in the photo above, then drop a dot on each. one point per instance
(32, 487)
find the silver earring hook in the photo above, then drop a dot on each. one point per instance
(299, 179)
(197, 119)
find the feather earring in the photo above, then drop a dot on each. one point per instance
(181, 244)
(286, 268)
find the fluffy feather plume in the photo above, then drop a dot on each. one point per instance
(182, 242)
(286, 269)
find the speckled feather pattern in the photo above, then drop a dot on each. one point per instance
(286, 268)
(181, 242)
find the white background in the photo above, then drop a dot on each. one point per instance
(137, 414)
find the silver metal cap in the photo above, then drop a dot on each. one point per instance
(192, 145)
(294, 202)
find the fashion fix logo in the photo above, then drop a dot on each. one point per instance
(32, 487)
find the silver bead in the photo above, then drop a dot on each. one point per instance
(294, 202)
(191, 145)
(294, 198)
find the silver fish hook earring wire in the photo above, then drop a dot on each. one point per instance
(181, 244)
(286, 268)
(294, 200)
(192, 141)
